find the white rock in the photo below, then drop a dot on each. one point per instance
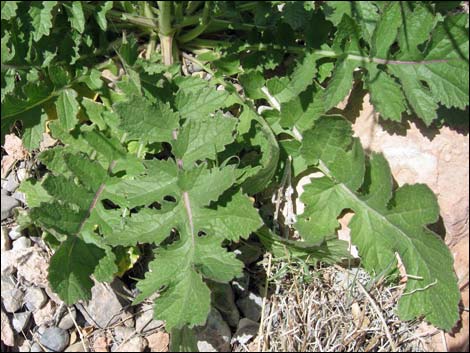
(15, 233)
(12, 299)
(215, 335)
(6, 242)
(35, 298)
(247, 329)
(122, 333)
(135, 344)
(251, 306)
(21, 321)
(145, 321)
(21, 243)
(66, 322)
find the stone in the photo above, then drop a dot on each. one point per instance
(250, 306)
(33, 266)
(15, 233)
(21, 321)
(247, 329)
(77, 347)
(6, 242)
(100, 344)
(23, 345)
(36, 348)
(12, 299)
(240, 285)
(35, 298)
(135, 344)
(248, 252)
(45, 314)
(158, 341)
(224, 301)
(122, 333)
(21, 174)
(215, 335)
(12, 183)
(106, 304)
(55, 339)
(7, 334)
(8, 204)
(145, 321)
(66, 322)
(21, 243)
(20, 196)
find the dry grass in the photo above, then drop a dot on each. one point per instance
(332, 309)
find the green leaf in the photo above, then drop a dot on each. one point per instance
(385, 222)
(41, 18)
(76, 16)
(386, 30)
(33, 129)
(100, 15)
(146, 121)
(67, 108)
(340, 84)
(200, 103)
(9, 9)
(201, 139)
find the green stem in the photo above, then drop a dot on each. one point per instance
(153, 35)
(192, 7)
(198, 30)
(166, 32)
(122, 16)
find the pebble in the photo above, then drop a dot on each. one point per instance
(247, 329)
(35, 298)
(8, 204)
(6, 242)
(158, 341)
(122, 333)
(55, 339)
(223, 300)
(21, 174)
(240, 285)
(21, 321)
(36, 348)
(21, 243)
(20, 196)
(15, 233)
(76, 347)
(12, 183)
(215, 335)
(251, 306)
(12, 299)
(66, 322)
(135, 344)
(145, 321)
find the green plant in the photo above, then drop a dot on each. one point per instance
(154, 156)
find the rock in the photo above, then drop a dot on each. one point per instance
(22, 174)
(6, 242)
(105, 305)
(66, 322)
(12, 299)
(7, 283)
(12, 183)
(145, 321)
(215, 335)
(36, 348)
(23, 345)
(240, 285)
(45, 314)
(122, 333)
(20, 196)
(35, 298)
(100, 344)
(8, 204)
(7, 334)
(158, 341)
(21, 321)
(250, 306)
(248, 252)
(135, 344)
(21, 243)
(77, 347)
(15, 233)
(224, 301)
(247, 329)
(55, 339)
(33, 266)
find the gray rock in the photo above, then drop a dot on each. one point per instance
(223, 300)
(66, 322)
(20, 196)
(250, 306)
(7, 283)
(21, 243)
(6, 242)
(135, 344)
(247, 329)
(21, 321)
(36, 348)
(106, 304)
(55, 339)
(12, 183)
(215, 335)
(145, 321)
(122, 333)
(12, 299)
(76, 347)
(22, 174)
(8, 204)
(248, 253)
(240, 285)
(15, 233)
(35, 298)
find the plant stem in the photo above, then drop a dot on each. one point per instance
(153, 35)
(198, 30)
(166, 31)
